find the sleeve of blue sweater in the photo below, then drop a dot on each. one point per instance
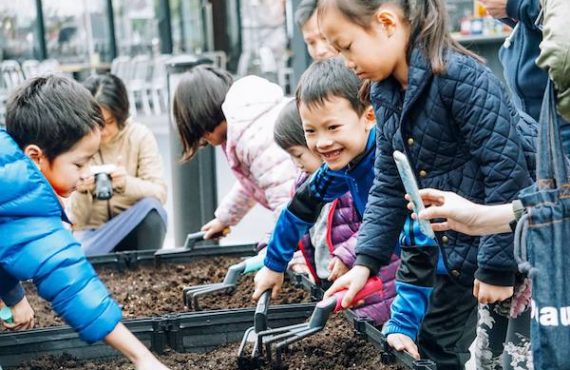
(42, 250)
(300, 215)
(11, 291)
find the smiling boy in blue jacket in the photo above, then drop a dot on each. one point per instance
(53, 130)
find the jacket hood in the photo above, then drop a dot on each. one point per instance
(249, 98)
(24, 191)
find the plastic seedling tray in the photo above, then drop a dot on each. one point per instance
(183, 332)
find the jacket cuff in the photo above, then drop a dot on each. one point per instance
(494, 277)
(392, 328)
(275, 266)
(14, 296)
(513, 8)
(418, 265)
(370, 262)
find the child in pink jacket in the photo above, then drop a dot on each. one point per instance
(210, 108)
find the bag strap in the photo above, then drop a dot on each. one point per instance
(551, 171)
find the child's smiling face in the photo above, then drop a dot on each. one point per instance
(335, 131)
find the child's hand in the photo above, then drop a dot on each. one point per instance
(487, 293)
(401, 342)
(354, 280)
(267, 279)
(337, 268)
(213, 228)
(22, 316)
(86, 184)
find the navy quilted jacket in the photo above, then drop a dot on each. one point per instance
(461, 134)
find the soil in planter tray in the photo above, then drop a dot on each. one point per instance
(153, 291)
(335, 348)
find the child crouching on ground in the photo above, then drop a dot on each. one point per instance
(328, 247)
(53, 130)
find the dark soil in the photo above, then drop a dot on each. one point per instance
(153, 291)
(336, 348)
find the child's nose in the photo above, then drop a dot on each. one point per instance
(324, 142)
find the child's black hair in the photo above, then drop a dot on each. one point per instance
(330, 78)
(110, 92)
(288, 129)
(197, 105)
(428, 21)
(52, 112)
(304, 12)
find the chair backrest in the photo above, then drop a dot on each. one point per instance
(12, 74)
(159, 69)
(219, 58)
(31, 68)
(142, 68)
(49, 66)
(120, 67)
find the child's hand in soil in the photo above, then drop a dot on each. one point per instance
(337, 268)
(22, 316)
(401, 342)
(267, 279)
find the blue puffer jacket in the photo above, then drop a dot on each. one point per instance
(461, 134)
(35, 245)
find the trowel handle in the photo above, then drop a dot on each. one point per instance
(373, 285)
(254, 264)
(260, 318)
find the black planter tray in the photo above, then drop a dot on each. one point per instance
(187, 332)
(131, 259)
(366, 329)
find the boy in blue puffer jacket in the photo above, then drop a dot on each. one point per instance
(53, 130)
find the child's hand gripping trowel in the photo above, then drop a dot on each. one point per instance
(191, 240)
(247, 266)
(281, 338)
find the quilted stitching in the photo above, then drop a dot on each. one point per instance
(466, 139)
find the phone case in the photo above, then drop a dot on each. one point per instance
(411, 186)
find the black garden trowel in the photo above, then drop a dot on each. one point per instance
(281, 338)
(254, 359)
(190, 242)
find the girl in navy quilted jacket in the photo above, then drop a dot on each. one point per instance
(436, 102)
(328, 247)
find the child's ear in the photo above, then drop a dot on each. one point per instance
(387, 18)
(370, 117)
(34, 153)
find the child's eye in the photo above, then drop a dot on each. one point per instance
(309, 131)
(347, 47)
(333, 127)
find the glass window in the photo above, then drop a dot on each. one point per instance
(77, 31)
(136, 27)
(18, 30)
(188, 32)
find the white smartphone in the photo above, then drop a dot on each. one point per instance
(411, 186)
